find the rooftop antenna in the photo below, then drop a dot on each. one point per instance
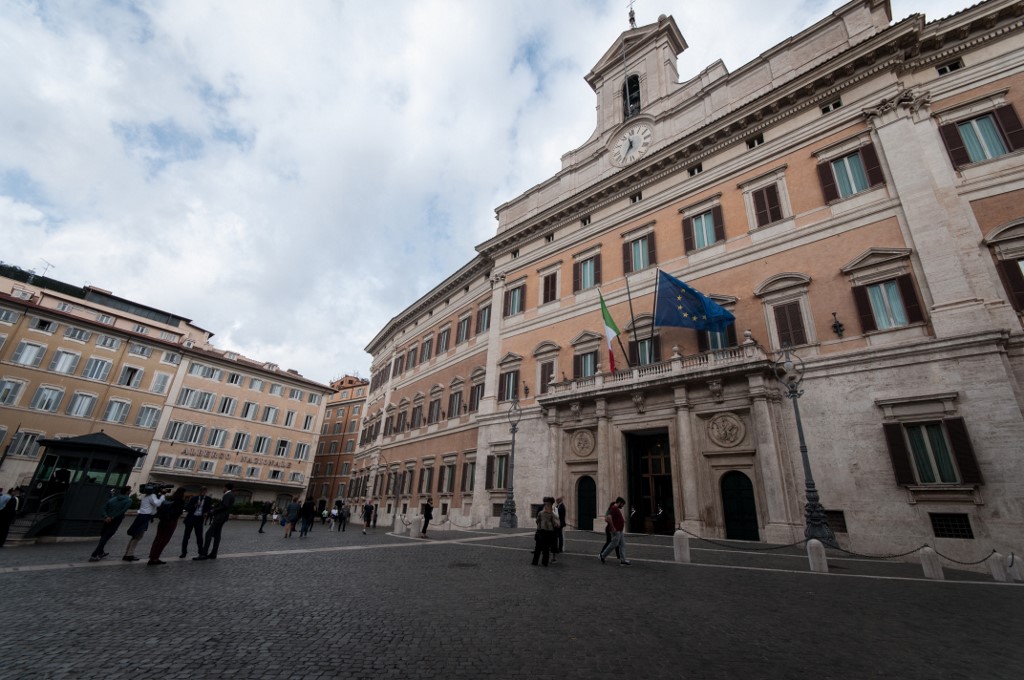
(48, 267)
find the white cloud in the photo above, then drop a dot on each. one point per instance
(292, 175)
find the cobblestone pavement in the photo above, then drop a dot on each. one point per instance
(470, 605)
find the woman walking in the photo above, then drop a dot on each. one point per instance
(544, 539)
(167, 522)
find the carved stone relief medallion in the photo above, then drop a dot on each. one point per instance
(583, 443)
(726, 429)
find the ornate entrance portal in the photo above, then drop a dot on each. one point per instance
(739, 507)
(651, 508)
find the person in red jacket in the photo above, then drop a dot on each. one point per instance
(618, 523)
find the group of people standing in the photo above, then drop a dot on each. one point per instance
(167, 510)
(549, 540)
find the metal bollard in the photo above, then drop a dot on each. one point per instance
(816, 556)
(681, 546)
(930, 564)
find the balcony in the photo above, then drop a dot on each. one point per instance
(714, 364)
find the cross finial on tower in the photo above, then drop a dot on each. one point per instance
(632, 14)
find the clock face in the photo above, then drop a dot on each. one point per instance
(632, 144)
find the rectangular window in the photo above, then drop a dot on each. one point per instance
(163, 461)
(172, 358)
(715, 340)
(232, 469)
(28, 354)
(410, 358)
(850, 174)
(289, 419)
(454, 404)
(138, 350)
(646, 350)
(207, 466)
(399, 365)
(462, 331)
(217, 437)
(108, 342)
(888, 304)
(276, 474)
(951, 525)
(105, 319)
(227, 406)
(43, 325)
(235, 378)
(250, 409)
(789, 322)
(476, 393)
(935, 452)
(514, 299)
(117, 411)
(81, 405)
(252, 472)
(148, 416)
(586, 273)
(584, 365)
(831, 106)
(508, 385)
(184, 464)
(64, 362)
(240, 442)
(547, 374)
(638, 254)
(295, 477)
(483, 319)
(442, 341)
(302, 451)
(932, 461)
(949, 67)
(314, 398)
(160, 383)
(79, 334)
(8, 316)
(130, 376)
(755, 141)
(981, 138)
(205, 401)
(270, 415)
(276, 389)
(497, 472)
(417, 416)
(10, 390)
(256, 384)
(434, 411)
(47, 399)
(767, 207)
(428, 346)
(549, 288)
(283, 447)
(261, 445)
(468, 473)
(703, 230)
(140, 329)
(25, 444)
(695, 170)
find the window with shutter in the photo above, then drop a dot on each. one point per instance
(767, 207)
(984, 137)
(547, 374)
(850, 174)
(932, 452)
(887, 304)
(789, 322)
(550, 282)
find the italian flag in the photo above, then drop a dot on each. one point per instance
(611, 331)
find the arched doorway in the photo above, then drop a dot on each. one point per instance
(586, 503)
(739, 506)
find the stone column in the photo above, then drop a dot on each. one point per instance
(771, 467)
(687, 463)
(959, 276)
(607, 459)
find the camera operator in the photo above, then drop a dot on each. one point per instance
(151, 501)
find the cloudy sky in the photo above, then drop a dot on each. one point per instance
(292, 174)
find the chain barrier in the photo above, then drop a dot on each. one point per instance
(983, 559)
(879, 557)
(743, 548)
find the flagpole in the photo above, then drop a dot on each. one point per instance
(632, 321)
(654, 306)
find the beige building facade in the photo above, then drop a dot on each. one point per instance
(853, 194)
(80, 360)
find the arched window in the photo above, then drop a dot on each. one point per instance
(631, 97)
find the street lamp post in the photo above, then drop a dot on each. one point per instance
(508, 510)
(789, 370)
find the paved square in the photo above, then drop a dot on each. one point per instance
(470, 605)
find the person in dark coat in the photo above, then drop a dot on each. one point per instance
(544, 539)
(291, 516)
(267, 507)
(368, 513)
(196, 510)
(8, 512)
(113, 514)
(428, 514)
(167, 521)
(307, 514)
(559, 536)
(221, 514)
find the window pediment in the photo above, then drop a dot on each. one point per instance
(510, 359)
(877, 264)
(782, 282)
(478, 374)
(546, 348)
(586, 337)
(1007, 241)
(456, 382)
(436, 390)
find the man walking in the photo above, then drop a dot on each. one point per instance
(367, 515)
(113, 513)
(267, 507)
(428, 514)
(618, 524)
(8, 512)
(196, 510)
(343, 517)
(220, 516)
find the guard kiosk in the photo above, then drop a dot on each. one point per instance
(73, 481)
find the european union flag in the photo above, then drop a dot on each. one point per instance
(676, 304)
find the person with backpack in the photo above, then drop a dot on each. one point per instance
(167, 521)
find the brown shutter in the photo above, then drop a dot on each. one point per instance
(761, 207)
(576, 366)
(910, 301)
(627, 260)
(867, 316)
(872, 166)
(730, 335)
(688, 244)
(790, 324)
(652, 250)
(656, 345)
(702, 341)
(462, 482)
(522, 297)
(828, 182)
(771, 194)
(716, 217)
(576, 277)
(898, 453)
(597, 269)
(440, 479)
(954, 144)
(489, 483)
(970, 473)
(634, 354)
(1011, 127)
(504, 305)
(1013, 280)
